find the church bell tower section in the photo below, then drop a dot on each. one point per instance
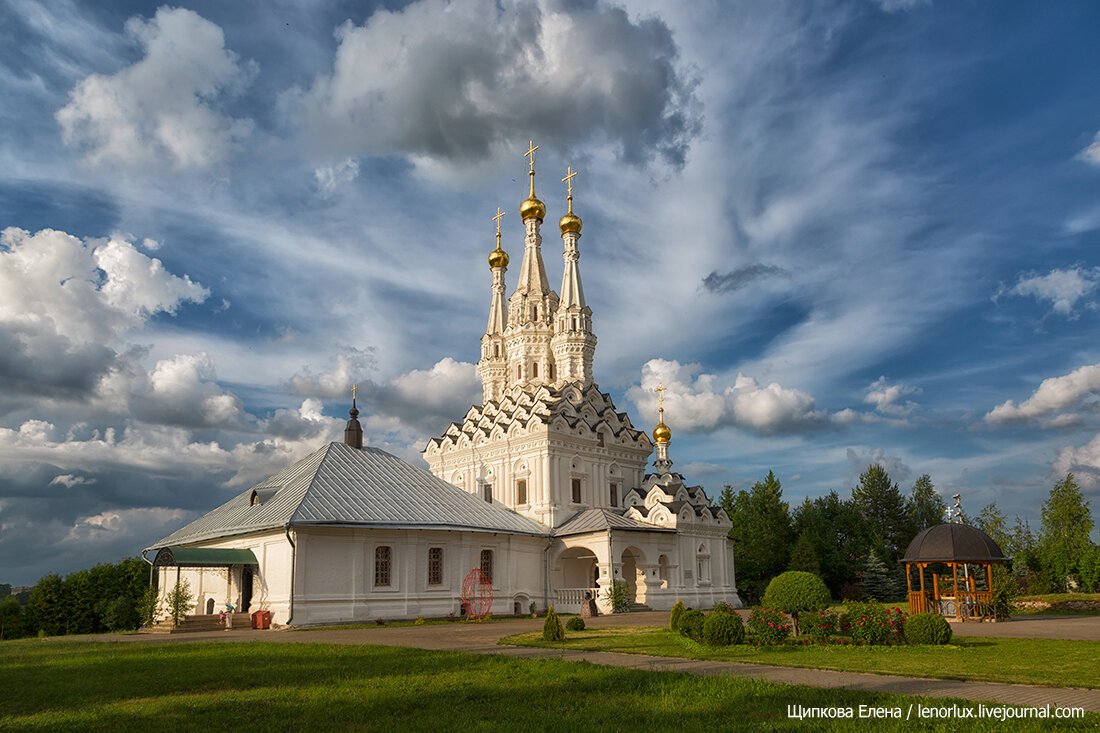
(573, 344)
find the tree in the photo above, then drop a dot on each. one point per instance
(880, 503)
(1067, 523)
(45, 611)
(993, 522)
(5, 590)
(925, 506)
(179, 601)
(877, 583)
(838, 534)
(794, 593)
(11, 619)
(762, 530)
(803, 556)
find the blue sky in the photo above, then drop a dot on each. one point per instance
(839, 232)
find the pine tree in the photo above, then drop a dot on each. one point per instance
(925, 506)
(803, 556)
(762, 530)
(876, 583)
(880, 503)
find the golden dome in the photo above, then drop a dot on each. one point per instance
(662, 433)
(570, 222)
(532, 207)
(498, 257)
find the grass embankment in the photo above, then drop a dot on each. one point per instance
(1063, 604)
(1048, 662)
(261, 686)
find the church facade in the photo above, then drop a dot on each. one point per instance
(543, 486)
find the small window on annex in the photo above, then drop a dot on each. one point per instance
(487, 564)
(489, 493)
(521, 491)
(382, 566)
(614, 495)
(435, 565)
(576, 491)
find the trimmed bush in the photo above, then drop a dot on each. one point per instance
(691, 624)
(723, 629)
(674, 616)
(795, 592)
(769, 626)
(723, 607)
(927, 628)
(575, 624)
(870, 623)
(551, 627)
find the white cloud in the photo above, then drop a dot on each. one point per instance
(66, 306)
(1091, 154)
(182, 391)
(460, 81)
(68, 480)
(421, 403)
(330, 176)
(859, 460)
(347, 369)
(885, 397)
(700, 403)
(1082, 461)
(1078, 390)
(162, 109)
(1061, 288)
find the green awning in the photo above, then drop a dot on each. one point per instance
(203, 557)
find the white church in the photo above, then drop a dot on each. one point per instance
(543, 487)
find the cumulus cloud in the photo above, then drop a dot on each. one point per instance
(423, 402)
(859, 460)
(1077, 391)
(182, 390)
(1062, 289)
(1083, 461)
(1091, 154)
(347, 368)
(459, 81)
(741, 277)
(700, 403)
(65, 305)
(886, 398)
(164, 108)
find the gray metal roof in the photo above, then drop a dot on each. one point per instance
(341, 485)
(595, 520)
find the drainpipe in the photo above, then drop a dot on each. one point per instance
(293, 557)
(546, 572)
(150, 566)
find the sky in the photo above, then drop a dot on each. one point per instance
(840, 233)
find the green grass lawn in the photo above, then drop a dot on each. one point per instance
(1058, 603)
(1048, 662)
(268, 686)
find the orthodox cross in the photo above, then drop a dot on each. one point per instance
(353, 388)
(531, 154)
(497, 220)
(569, 179)
(661, 395)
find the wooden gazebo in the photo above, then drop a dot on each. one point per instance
(957, 546)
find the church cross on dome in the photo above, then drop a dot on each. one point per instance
(568, 180)
(531, 154)
(497, 220)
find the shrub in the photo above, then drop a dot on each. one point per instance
(822, 626)
(723, 629)
(575, 624)
(618, 595)
(769, 626)
(1005, 589)
(419, 621)
(795, 592)
(551, 627)
(870, 623)
(927, 628)
(723, 607)
(120, 615)
(179, 601)
(674, 616)
(691, 624)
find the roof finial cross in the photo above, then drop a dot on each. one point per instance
(497, 220)
(353, 388)
(531, 154)
(569, 179)
(661, 396)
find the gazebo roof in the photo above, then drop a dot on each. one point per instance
(956, 543)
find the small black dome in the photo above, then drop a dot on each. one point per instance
(953, 543)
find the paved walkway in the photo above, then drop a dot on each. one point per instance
(482, 639)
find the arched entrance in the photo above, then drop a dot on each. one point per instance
(577, 573)
(634, 578)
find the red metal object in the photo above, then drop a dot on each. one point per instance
(261, 620)
(477, 595)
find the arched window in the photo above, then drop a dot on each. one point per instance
(487, 564)
(535, 370)
(519, 372)
(576, 491)
(382, 556)
(614, 494)
(496, 350)
(551, 371)
(489, 493)
(521, 491)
